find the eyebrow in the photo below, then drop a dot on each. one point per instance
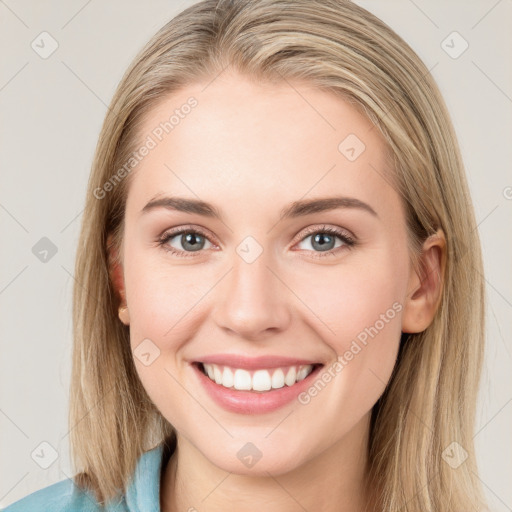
(293, 210)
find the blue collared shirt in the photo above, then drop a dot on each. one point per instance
(143, 495)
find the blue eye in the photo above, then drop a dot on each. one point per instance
(192, 240)
(324, 240)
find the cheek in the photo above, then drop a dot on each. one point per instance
(163, 302)
(347, 300)
(358, 312)
(161, 296)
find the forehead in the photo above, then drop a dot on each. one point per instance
(266, 143)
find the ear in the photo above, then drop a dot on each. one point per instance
(425, 286)
(117, 279)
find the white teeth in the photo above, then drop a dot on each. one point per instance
(242, 380)
(217, 375)
(228, 378)
(291, 377)
(302, 373)
(278, 379)
(260, 380)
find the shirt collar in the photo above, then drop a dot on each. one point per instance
(143, 494)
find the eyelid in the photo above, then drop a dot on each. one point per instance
(346, 236)
(316, 228)
(185, 228)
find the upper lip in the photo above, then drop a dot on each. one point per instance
(251, 363)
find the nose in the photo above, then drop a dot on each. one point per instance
(252, 301)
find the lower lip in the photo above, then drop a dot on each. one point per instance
(250, 402)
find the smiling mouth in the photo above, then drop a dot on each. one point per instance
(259, 381)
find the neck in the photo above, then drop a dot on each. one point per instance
(333, 480)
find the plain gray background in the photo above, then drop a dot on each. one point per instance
(52, 110)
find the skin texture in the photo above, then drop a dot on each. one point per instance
(250, 149)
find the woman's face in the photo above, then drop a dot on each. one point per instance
(255, 282)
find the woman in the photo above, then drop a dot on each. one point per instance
(275, 308)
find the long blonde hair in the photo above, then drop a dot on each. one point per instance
(338, 47)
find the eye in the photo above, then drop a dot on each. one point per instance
(184, 241)
(323, 240)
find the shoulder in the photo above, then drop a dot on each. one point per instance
(66, 496)
(63, 496)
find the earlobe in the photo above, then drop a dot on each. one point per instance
(124, 315)
(117, 280)
(425, 286)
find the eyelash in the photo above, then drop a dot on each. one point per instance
(347, 240)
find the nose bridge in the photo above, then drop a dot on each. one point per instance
(250, 279)
(252, 299)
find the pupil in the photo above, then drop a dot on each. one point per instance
(321, 238)
(190, 241)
